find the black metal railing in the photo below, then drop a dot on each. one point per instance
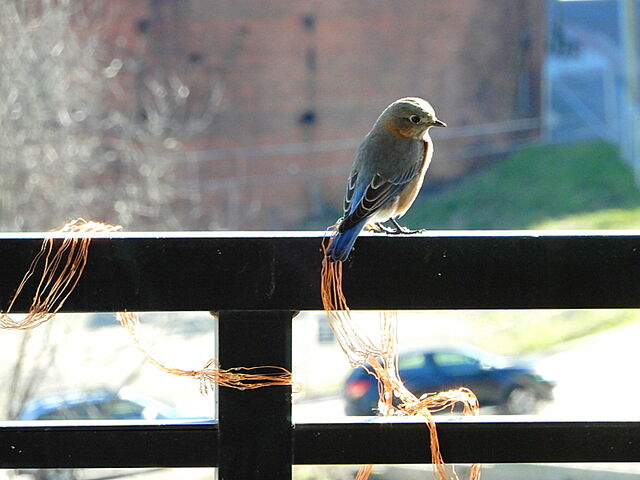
(257, 282)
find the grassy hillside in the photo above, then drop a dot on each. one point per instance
(614, 218)
(534, 188)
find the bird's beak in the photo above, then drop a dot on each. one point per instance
(438, 123)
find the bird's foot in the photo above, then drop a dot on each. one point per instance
(400, 230)
(409, 231)
(380, 228)
(403, 231)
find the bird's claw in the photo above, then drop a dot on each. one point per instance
(403, 231)
(399, 229)
(380, 228)
(409, 231)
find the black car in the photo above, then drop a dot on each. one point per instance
(515, 387)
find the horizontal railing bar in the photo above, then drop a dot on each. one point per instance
(447, 270)
(241, 234)
(489, 441)
(107, 444)
(359, 440)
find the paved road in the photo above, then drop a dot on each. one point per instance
(597, 376)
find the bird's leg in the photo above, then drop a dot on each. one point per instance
(402, 230)
(378, 227)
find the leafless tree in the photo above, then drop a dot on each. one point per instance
(89, 128)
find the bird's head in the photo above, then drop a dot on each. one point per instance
(410, 117)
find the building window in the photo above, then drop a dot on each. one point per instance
(325, 334)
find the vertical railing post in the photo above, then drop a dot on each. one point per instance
(255, 425)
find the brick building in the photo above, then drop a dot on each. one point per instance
(302, 81)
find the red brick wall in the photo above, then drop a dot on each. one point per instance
(345, 61)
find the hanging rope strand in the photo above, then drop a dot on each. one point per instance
(381, 362)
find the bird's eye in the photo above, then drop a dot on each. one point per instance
(415, 119)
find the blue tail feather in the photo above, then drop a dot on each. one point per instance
(342, 243)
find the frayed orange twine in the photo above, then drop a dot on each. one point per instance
(240, 378)
(381, 361)
(61, 271)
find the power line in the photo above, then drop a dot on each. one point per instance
(322, 146)
(278, 178)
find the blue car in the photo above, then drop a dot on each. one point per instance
(96, 405)
(91, 405)
(514, 387)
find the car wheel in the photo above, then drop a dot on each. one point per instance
(520, 401)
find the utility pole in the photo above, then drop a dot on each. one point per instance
(630, 145)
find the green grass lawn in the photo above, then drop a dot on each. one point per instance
(613, 218)
(535, 188)
(517, 332)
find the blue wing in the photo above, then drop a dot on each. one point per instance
(362, 201)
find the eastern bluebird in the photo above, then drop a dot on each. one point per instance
(387, 172)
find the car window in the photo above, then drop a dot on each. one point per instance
(75, 412)
(110, 409)
(454, 364)
(453, 359)
(411, 360)
(118, 408)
